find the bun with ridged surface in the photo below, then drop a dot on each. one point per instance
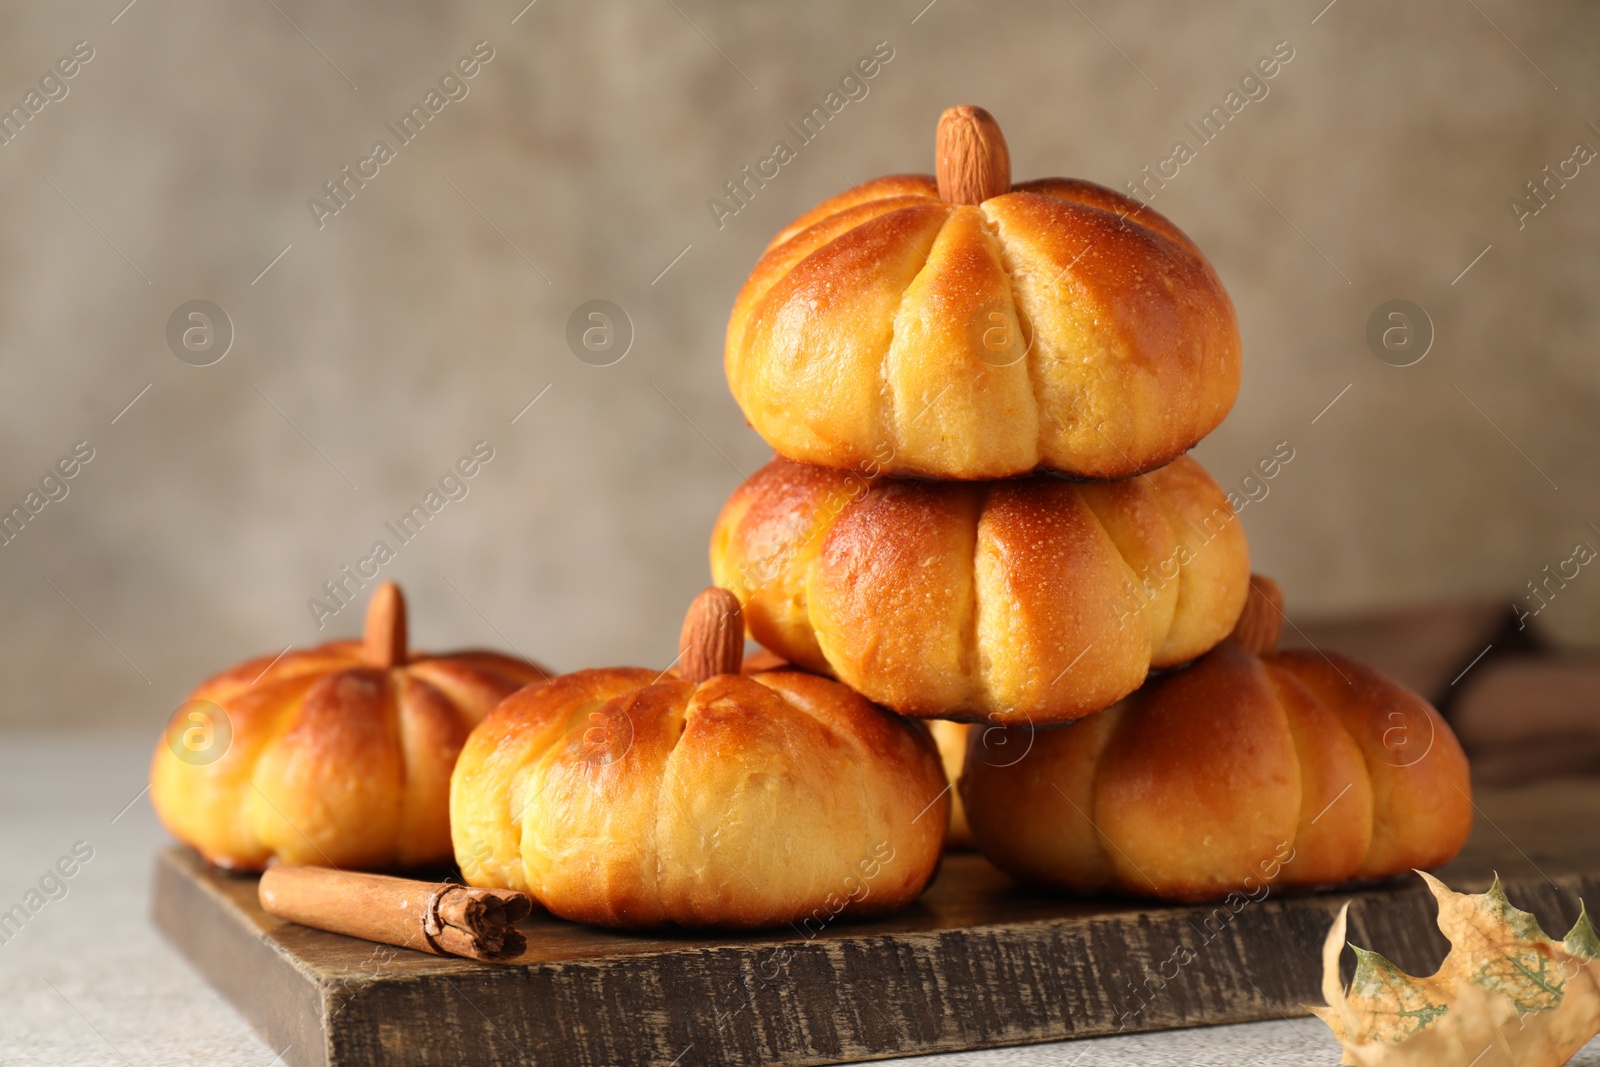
(1251, 769)
(636, 798)
(337, 756)
(1030, 600)
(1054, 324)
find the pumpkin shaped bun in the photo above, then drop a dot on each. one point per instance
(336, 756)
(1248, 771)
(1029, 600)
(962, 327)
(701, 798)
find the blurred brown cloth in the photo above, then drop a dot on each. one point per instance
(1522, 710)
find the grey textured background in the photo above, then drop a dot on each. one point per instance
(426, 314)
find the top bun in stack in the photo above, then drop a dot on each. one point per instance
(965, 328)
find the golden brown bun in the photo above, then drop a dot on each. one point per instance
(332, 760)
(951, 737)
(1060, 326)
(629, 798)
(1035, 600)
(1232, 775)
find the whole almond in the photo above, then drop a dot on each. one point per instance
(383, 642)
(971, 159)
(712, 641)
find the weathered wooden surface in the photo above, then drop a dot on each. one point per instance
(977, 962)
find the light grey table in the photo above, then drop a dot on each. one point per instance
(88, 980)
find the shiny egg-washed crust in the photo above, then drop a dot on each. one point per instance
(328, 761)
(1233, 775)
(1030, 600)
(1060, 326)
(630, 798)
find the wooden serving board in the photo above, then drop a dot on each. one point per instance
(977, 962)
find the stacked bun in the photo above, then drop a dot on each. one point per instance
(1010, 601)
(981, 395)
(990, 341)
(967, 328)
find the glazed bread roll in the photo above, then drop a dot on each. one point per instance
(1031, 600)
(1233, 775)
(337, 756)
(636, 798)
(1053, 324)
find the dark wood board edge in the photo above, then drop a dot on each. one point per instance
(945, 991)
(827, 1001)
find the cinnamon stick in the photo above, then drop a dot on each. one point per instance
(438, 917)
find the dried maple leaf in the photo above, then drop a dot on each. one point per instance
(1506, 994)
